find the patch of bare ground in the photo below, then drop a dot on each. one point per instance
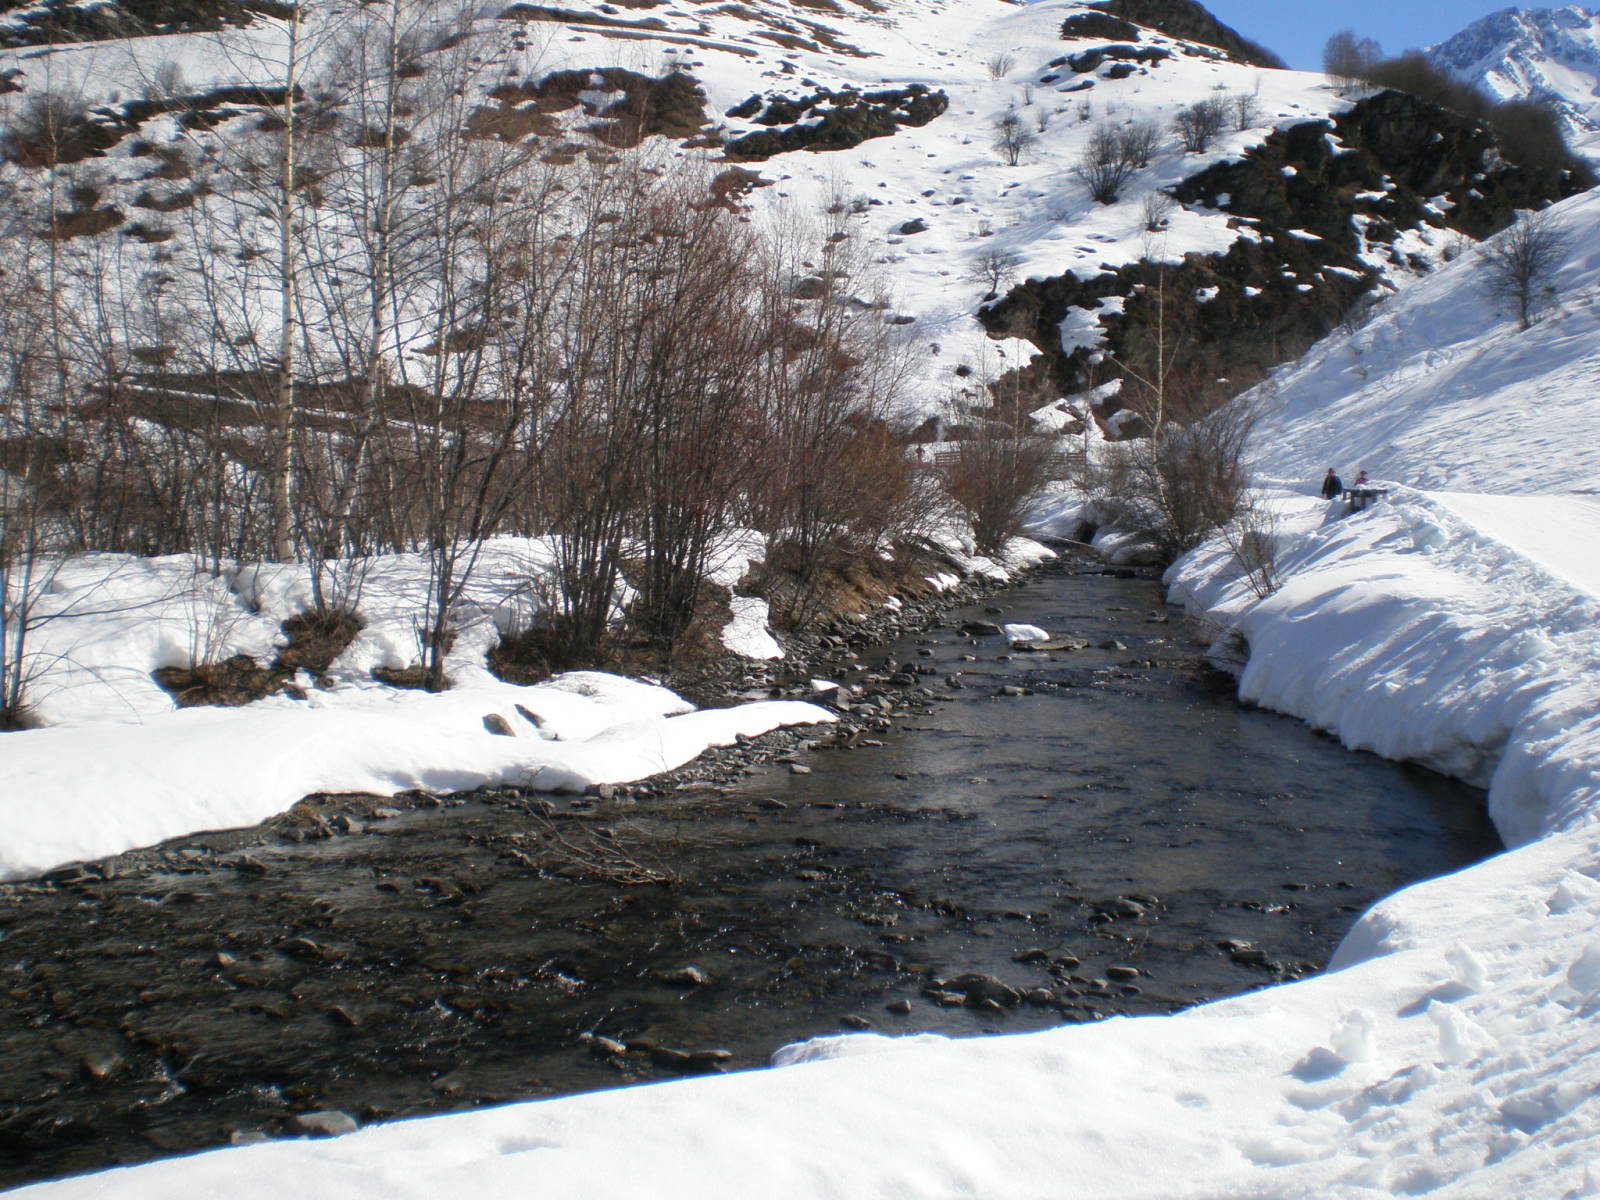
(314, 641)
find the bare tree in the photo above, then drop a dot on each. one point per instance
(1183, 476)
(1246, 111)
(840, 482)
(1347, 59)
(1012, 139)
(994, 269)
(1521, 262)
(1198, 125)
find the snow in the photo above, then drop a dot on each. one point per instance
(1035, 210)
(746, 634)
(117, 765)
(1024, 633)
(84, 792)
(1452, 1050)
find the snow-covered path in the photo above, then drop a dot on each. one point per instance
(1557, 532)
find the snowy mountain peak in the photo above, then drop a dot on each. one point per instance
(1550, 54)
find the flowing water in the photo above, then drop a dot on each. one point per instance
(1122, 838)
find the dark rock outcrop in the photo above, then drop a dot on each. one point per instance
(830, 120)
(1190, 22)
(1318, 203)
(1090, 60)
(1098, 25)
(54, 21)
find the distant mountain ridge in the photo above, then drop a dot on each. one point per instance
(1550, 54)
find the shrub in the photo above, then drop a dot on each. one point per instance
(1106, 165)
(1198, 125)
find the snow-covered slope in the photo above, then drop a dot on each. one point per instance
(1440, 390)
(989, 57)
(1550, 54)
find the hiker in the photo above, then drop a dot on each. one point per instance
(1361, 492)
(1331, 486)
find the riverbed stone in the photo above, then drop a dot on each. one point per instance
(977, 988)
(686, 976)
(326, 1122)
(1119, 907)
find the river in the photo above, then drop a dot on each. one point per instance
(1038, 838)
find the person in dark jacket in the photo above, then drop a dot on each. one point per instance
(1331, 486)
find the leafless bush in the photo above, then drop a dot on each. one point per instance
(1000, 65)
(1198, 125)
(994, 474)
(1138, 141)
(1157, 209)
(165, 82)
(1106, 165)
(1181, 483)
(1253, 537)
(44, 129)
(1012, 139)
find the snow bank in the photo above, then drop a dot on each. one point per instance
(85, 792)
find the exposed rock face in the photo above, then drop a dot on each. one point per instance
(636, 106)
(66, 21)
(1551, 55)
(848, 118)
(1322, 202)
(1189, 22)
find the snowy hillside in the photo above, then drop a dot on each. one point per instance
(1550, 54)
(1440, 391)
(934, 200)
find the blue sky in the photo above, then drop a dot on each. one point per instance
(1297, 29)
